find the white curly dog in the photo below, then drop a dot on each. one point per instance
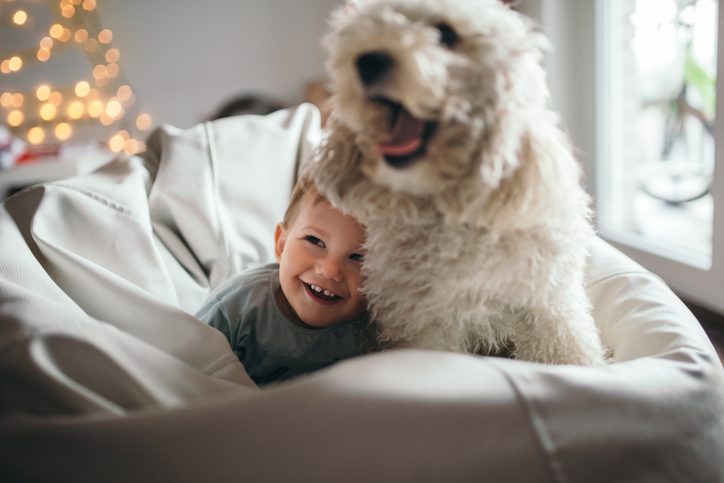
(441, 142)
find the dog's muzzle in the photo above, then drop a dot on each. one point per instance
(372, 66)
(407, 138)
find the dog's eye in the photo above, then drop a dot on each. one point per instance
(448, 36)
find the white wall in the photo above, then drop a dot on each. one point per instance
(571, 65)
(185, 57)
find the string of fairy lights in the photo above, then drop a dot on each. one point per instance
(45, 113)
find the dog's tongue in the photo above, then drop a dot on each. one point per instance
(406, 136)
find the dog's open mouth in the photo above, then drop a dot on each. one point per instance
(408, 135)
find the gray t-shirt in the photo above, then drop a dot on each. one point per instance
(272, 347)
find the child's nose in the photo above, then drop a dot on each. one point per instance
(330, 268)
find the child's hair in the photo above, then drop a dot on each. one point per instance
(303, 186)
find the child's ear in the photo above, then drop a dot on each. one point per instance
(280, 239)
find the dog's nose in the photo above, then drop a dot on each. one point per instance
(371, 66)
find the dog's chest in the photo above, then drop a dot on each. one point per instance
(469, 261)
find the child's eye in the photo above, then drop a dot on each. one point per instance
(314, 241)
(357, 257)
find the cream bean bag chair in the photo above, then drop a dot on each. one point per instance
(105, 375)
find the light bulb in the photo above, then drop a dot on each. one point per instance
(15, 63)
(63, 131)
(112, 70)
(131, 146)
(80, 36)
(43, 55)
(105, 36)
(113, 55)
(42, 92)
(48, 112)
(67, 11)
(36, 135)
(15, 117)
(116, 143)
(46, 43)
(124, 93)
(82, 89)
(56, 98)
(56, 31)
(143, 121)
(114, 108)
(18, 100)
(20, 17)
(95, 108)
(100, 72)
(75, 110)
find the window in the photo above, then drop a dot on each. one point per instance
(657, 107)
(636, 82)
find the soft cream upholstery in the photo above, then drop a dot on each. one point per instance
(106, 376)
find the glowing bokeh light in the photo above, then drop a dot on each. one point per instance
(67, 11)
(80, 35)
(56, 31)
(6, 99)
(82, 89)
(112, 70)
(143, 121)
(42, 92)
(15, 63)
(36, 135)
(56, 98)
(114, 108)
(20, 17)
(46, 43)
(43, 55)
(15, 117)
(63, 131)
(18, 100)
(96, 108)
(48, 112)
(116, 143)
(113, 55)
(105, 36)
(75, 110)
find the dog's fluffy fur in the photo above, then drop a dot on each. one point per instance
(477, 239)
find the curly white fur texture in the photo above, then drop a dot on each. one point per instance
(442, 143)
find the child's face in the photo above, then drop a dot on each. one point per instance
(321, 250)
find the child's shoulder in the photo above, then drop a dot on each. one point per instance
(246, 280)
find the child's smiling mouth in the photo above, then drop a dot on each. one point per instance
(321, 295)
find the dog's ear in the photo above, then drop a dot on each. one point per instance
(336, 161)
(543, 180)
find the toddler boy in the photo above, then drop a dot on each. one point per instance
(306, 311)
